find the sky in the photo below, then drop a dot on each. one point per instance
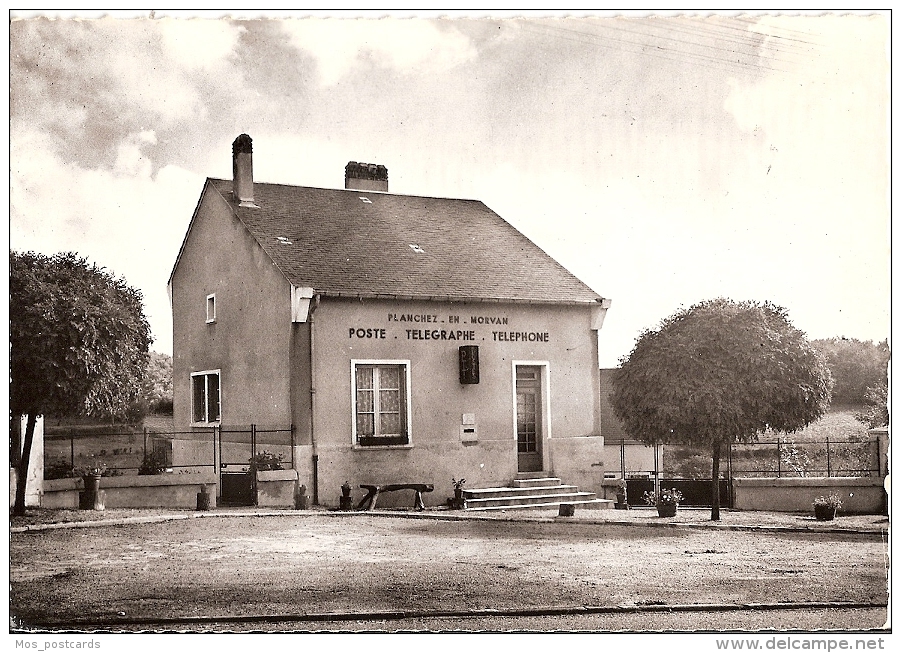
(662, 160)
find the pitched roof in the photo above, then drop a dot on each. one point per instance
(369, 244)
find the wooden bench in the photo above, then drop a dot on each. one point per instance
(371, 498)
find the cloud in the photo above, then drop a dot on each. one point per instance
(131, 159)
(199, 43)
(403, 45)
(87, 82)
(127, 220)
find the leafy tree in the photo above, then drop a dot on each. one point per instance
(856, 365)
(78, 344)
(157, 394)
(876, 412)
(717, 373)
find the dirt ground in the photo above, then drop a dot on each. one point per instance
(313, 563)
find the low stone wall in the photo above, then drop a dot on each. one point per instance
(275, 488)
(152, 491)
(579, 461)
(862, 495)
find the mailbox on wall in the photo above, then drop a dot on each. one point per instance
(469, 364)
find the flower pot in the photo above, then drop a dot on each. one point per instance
(667, 509)
(621, 502)
(824, 512)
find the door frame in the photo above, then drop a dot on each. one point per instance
(545, 434)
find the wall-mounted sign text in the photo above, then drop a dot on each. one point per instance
(439, 334)
(520, 336)
(367, 333)
(451, 319)
(378, 333)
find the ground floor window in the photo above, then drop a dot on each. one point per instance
(205, 397)
(380, 402)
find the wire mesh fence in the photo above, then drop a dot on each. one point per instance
(135, 450)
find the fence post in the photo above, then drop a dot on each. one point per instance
(219, 428)
(656, 470)
(828, 459)
(72, 450)
(622, 457)
(729, 497)
(878, 459)
(778, 457)
(144, 456)
(292, 446)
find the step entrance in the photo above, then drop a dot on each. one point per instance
(532, 490)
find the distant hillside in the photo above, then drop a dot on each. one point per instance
(837, 424)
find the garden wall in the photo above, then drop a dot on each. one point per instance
(858, 494)
(276, 488)
(152, 491)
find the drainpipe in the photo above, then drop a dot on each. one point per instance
(313, 307)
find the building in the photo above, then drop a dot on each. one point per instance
(624, 456)
(400, 338)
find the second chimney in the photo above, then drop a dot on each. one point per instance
(242, 170)
(365, 176)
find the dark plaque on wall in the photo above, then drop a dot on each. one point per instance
(469, 364)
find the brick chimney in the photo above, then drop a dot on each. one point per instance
(242, 170)
(365, 176)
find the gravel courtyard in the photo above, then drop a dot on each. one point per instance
(303, 563)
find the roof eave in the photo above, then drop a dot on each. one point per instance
(206, 186)
(459, 300)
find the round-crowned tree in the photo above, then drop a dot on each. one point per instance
(717, 373)
(78, 344)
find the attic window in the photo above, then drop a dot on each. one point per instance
(283, 240)
(366, 200)
(211, 308)
(416, 248)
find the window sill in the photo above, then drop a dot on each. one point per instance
(371, 447)
(204, 425)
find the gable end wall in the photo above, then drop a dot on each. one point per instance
(250, 339)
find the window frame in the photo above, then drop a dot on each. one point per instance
(406, 412)
(211, 319)
(206, 392)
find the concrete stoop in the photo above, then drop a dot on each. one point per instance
(532, 490)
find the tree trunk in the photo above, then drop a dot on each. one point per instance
(22, 469)
(715, 484)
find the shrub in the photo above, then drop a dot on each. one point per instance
(153, 463)
(266, 461)
(58, 469)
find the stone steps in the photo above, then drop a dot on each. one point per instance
(532, 490)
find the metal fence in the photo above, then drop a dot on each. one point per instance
(785, 457)
(230, 449)
(125, 452)
(688, 469)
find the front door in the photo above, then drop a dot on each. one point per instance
(528, 418)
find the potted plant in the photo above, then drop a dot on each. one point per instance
(458, 502)
(825, 507)
(90, 476)
(346, 502)
(266, 461)
(667, 501)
